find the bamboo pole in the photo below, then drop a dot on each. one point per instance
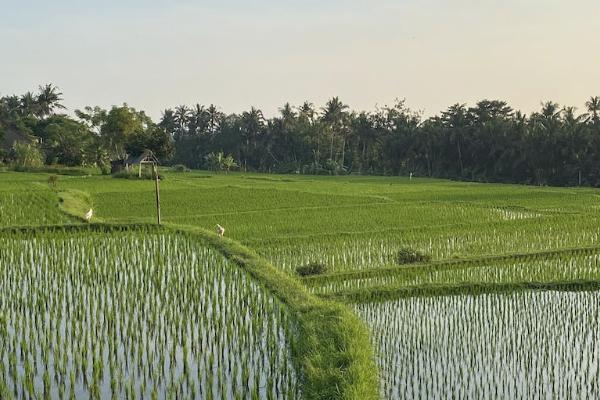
(155, 169)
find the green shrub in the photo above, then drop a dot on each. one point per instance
(410, 256)
(180, 168)
(27, 155)
(311, 269)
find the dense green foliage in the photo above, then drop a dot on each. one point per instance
(487, 142)
(94, 138)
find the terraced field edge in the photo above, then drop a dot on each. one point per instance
(473, 262)
(394, 292)
(333, 349)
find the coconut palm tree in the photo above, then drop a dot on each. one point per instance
(214, 117)
(181, 117)
(49, 100)
(168, 121)
(29, 105)
(252, 126)
(334, 116)
(287, 112)
(593, 106)
(198, 120)
(307, 110)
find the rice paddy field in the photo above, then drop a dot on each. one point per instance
(517, 345)
(505, 305)
(137, 315)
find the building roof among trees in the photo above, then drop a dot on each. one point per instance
(146, 157)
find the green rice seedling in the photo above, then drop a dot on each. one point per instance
(103, 311)
(560, 266)
(523, 344)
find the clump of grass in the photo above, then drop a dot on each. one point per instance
(411, 256)
(53, 180)
(312, 268)
(180, 168)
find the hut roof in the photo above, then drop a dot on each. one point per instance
(146, 156)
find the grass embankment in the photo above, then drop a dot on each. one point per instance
(333, 349)
(394, 292)
(75, 203)
(409, 270)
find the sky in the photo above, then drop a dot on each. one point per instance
(236, 54)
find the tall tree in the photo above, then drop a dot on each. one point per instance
(593, 107)
(49, 100)
(335, 116)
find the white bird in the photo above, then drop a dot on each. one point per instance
(220, 230)
(88, 215)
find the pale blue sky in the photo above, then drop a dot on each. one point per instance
(235, 54)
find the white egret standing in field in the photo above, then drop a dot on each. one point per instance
(88, 215)
(220, 230)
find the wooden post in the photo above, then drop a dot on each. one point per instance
(155, 169)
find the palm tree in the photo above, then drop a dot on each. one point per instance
(456, 119)
(49, 100)
(214, 117)
(312, 130)
(307, 110)
(198, 120)
(593, 106)
(287, 112)
(168, 121)
(334, 115)
(181, 117)
(252, 125)
(363, 127)
(29, 104)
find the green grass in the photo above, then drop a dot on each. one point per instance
(75, 203)
(481, 238)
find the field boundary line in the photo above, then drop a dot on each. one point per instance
(443, 264)
(417, 228)
(393, 292)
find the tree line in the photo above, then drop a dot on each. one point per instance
(94, 137)
(488, 142)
